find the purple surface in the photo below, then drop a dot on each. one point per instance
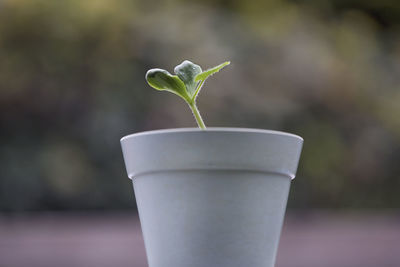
(86, 240)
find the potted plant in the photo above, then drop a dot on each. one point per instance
(212, 197)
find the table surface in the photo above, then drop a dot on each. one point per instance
(312, 239)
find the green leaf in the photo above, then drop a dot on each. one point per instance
(207, 73)
(187, 83)
(187, 71)
(162, 80)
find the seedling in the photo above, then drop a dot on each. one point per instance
(187, 83)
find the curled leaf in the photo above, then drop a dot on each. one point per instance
(162, 80)
(187, 71)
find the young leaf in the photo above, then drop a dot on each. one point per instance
(205, 74)
(187, 71)
(186, 83)
(162, 80)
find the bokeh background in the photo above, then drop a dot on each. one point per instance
(72, 84)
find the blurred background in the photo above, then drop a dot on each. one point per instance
(72, 84)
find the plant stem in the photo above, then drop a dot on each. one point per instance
(197, 115)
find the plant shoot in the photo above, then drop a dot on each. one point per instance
(186, 83)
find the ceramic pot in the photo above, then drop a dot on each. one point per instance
(211, 198)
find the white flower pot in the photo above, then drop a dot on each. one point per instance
(211, 198)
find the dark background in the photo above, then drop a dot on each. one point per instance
(72, 84)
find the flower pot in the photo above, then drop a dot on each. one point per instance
(211, 198)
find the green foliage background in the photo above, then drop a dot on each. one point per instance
(72, 84)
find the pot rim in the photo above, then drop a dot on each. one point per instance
(211, 129)
(212, 149)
